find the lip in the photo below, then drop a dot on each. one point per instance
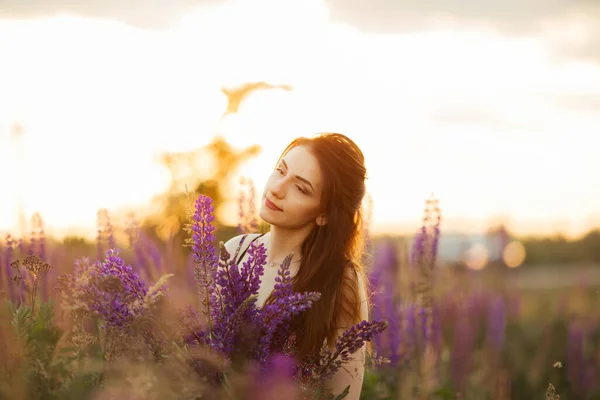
(272, 205)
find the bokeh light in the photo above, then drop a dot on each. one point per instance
(514, 254)
(476, 257)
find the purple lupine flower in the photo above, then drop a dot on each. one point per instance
(386, 304)
(38, 239)
(411, 340)
(496, 324)
(421, 334)
(423, 259)
(193, 330)
(349, 343)
(239, 290)
(214, 305)
(426, 242)
(141, 261)
(38, 248)
(151, 251)
(252, 207)
(575, 358)
(418, 247)
(231, 286)
(394, 335)
(253, 269)
(147, 254)
(437, 340)
(22, 246)
(23, 252)
(7, 259)
(235, 324)
(423, 319)
(367, 227)
(242, 211)
(203, 248)
(248, 221)
(462, 346)
(105, 240)
(116, 291)
(275, 316)
(218, 297)
(235, 302)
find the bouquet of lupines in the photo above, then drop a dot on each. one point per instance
(234, 329)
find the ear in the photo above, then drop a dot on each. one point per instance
(321, 220)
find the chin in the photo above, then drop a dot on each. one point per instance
(264, 215)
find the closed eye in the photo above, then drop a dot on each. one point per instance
(300, 189)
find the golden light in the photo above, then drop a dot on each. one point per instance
(513, 254)
(476, 257)
(166, 96)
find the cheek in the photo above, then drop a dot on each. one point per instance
(308, 207)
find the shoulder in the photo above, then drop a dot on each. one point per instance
(232, 244)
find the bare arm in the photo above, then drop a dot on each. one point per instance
(352, 373)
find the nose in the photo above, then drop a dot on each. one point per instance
(277, 189)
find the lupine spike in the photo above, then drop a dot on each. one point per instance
(496, 324)
(247, 208)
(423, 262)
(13, 289)
(205, 254)
(349, 343)
(385, 302)
(105, 240)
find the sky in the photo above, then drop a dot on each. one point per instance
(492, 106)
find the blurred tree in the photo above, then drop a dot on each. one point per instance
(235, 96)
(207, 171)
(186, 169)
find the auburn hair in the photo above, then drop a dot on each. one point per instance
(331, 253)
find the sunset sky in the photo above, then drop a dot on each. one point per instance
(493, 106)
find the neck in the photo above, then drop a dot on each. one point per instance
(282, 242)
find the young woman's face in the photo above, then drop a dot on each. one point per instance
(292, 195)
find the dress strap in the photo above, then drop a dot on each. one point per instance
(241, 257)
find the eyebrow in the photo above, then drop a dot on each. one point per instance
(298, 177)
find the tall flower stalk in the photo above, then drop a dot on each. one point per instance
(423, 261)
(204, 253)
(105, 239)
(386, 302)
(247, 208)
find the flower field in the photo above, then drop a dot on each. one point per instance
(136, 319)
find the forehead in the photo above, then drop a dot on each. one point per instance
(303, 163)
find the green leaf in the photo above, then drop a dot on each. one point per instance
(343, 394)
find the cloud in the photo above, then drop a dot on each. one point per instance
(577, 38)
(389, 16)
(579, 102)
(546, 19)
(147, 14)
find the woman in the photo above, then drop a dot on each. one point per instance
(312, 202)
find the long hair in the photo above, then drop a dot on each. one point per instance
(331, 253)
